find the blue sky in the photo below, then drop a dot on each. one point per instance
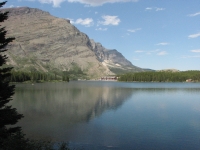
(155, 34)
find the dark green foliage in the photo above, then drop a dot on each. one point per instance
(16, 142)
(74, 73)
(8, 115)
(161, 76)
(19, 142)
(120, 71)
(65, 76)
(34, 76)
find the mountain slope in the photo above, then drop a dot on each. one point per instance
(46, 43)
(114, 60)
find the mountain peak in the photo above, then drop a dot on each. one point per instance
(24, 10)
(47, 43)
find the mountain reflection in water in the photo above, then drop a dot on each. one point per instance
(50, 108)
(112, 115)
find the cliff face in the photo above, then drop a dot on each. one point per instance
(46, 43)
(114, 60)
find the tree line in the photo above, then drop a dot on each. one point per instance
(36, 76)
(161, 76)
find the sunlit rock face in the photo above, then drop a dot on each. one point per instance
(47, 43)
(113, 59)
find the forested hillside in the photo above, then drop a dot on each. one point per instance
(36, 76)
(161, 76)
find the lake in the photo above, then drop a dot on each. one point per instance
(100, 115)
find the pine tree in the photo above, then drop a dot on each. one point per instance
(8, 115)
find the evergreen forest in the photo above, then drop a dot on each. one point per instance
(164, 76)
(36, 76)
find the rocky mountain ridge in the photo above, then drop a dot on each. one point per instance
(113, 59)
(49, 44)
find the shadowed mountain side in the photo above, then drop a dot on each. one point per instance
(63, 106)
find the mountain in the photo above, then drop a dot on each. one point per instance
(50, 44)
(168, 70)
(114, 60)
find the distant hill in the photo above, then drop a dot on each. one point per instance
(146, 69)
(169, 70)
(49, 44)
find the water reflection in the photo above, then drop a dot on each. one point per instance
(120, 115)
(51, 107)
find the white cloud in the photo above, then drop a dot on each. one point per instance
(198, 56)
(163, 43)
(134, 30)
(56, 3)
(154, 8)
(85, 22)
(159, 9)
(148, 8)
(162, 53)
(99, 2)
(196, 51)
(152, 52)
(195, 14)
(195, 56)
(102, 29)
(147, 52)
(110, 20)
(194, 35)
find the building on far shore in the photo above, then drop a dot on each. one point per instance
(189, 80)
(109, 78)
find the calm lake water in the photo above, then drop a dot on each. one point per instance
(98, 115)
